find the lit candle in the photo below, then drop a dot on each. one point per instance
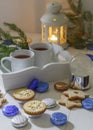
(53, 38)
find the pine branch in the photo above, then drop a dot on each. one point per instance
(5, 50)
(79, 7)
(5, 35)
(87, 15)
(73, 7)
(72, 18)
(18, 30)
(7, 40)
(21, 35)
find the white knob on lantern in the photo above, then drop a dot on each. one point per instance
(54, 7)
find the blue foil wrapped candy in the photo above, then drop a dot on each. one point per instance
(7, 42)
(33, 84)
(90, 56)
(88, 103)
(10, 110)
(42, 87)
(58, 118)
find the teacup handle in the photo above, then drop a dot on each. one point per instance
(2, 63)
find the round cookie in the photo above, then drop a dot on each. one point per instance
(23, 94)
(61, 86)
(10, 110)
(50, 102)
(19, 121)
(58, 118)
(33, 84)
(42, 87)
(87, 103)
(34, 107)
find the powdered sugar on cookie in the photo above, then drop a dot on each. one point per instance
(68, 103)
(75, 94)
(72, 98)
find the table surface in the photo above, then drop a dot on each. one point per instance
(78, 118)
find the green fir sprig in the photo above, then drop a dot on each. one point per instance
(5, 35)
(13, 27)
(77, 36)
(10, 42)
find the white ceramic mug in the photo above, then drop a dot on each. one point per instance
(19, 59)
(43, 53)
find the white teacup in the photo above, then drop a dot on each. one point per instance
(19, 59)
(43, 53)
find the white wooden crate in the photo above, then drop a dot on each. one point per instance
(54, 71)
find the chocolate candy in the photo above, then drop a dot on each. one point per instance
(88, 103)
(61, 86)
(42, 87)
(10, 110)
(33, 84)
(58, 118)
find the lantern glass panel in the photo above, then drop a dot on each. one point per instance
(63, 33)
(43, 31)
(53, 34)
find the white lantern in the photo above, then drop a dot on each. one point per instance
(53, 25)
